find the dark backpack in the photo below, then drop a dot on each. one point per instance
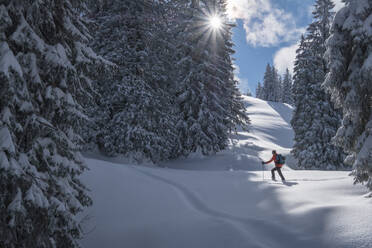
(280, 159)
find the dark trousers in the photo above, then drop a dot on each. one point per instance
(279, 172)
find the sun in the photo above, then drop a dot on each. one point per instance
(215, 22)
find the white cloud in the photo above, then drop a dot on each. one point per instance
(264, 24)
(285, 57)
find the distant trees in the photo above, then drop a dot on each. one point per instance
(349, 53)
(248, 93)
(287, 85)
(315, 120)
(275, 88)
(259, 92)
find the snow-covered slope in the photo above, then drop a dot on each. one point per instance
(270, 129)
(221, 201)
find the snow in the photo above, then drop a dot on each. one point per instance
(222, 200)
(36, 196)
(26, 107)
(6, 115)
(16, 204)
(367, 66)
(71, 28)
(6, 143)
(33, 69)
(57, 56)
(8, 60)
(4, 163)
(69, 99)
(25, 36)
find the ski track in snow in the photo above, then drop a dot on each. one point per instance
(254, 228)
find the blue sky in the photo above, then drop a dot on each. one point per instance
(267, 31)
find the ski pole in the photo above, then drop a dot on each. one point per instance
(263, 172)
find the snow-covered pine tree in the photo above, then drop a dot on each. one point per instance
(208, 99)
(302, 77)
(200, 127)
(278, 86)
(287, 88)
(44, 64)
(349, 53)
(229, 94)
(315, 120)
(259, 91)
(271, 90)
(268, 85)
(135, 115)
(300, 74)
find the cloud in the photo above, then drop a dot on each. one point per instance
(264, 24)
(284, 58)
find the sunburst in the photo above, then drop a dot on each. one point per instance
(215, 22)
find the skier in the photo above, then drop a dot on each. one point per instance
(278, 166)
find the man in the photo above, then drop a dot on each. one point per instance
(278, 166)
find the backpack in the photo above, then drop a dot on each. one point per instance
(280, 159)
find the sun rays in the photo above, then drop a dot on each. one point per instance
(215, 22)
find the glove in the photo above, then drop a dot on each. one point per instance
(262, 162)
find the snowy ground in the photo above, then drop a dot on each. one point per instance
(222, 201)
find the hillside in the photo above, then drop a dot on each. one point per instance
(270, 129)
(222, 200)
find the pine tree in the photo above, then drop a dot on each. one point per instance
(315, 120)
(278, 82)
(200, 124)
(272, 85)
(259, 91)
(349, 53)
(44, 87)
(135, 112)
(230, 94)
(208, 99)
(268, 84)
(287, 88)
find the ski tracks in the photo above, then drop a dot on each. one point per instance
(261, 232)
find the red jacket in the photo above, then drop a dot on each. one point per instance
(274, 159)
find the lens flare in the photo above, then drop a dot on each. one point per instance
(215, 22)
